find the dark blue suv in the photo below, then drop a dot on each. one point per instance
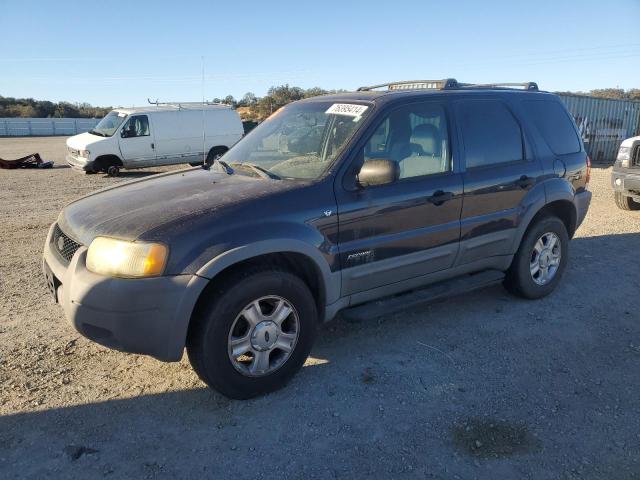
(401, 192)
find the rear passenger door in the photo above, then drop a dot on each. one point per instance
(402, 230)
(500, 170)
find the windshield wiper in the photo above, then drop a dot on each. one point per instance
(260, 171)
(94, 132)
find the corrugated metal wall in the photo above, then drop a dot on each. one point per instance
(18, 127)
(603, 123)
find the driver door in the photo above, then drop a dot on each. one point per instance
(137, 142)
(408, 228)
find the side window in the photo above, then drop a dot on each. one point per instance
(136, 126)
(554, 124)
(490, 133)
(377, 144)
(416, 137)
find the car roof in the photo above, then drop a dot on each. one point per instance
(170, 108)
(371, 94)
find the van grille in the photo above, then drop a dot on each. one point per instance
(635, 157)
(64, 246)
(73, 152)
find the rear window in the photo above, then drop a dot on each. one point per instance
(553, 123)
(490, 133)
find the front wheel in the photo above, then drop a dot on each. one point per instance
(625, 202)
(538, 265)
(253, 334)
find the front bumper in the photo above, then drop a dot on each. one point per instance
(79, 163)
(148, 316)
(626, 181)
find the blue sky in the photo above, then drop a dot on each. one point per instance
(120, 53)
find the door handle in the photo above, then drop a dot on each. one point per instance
(153, 146)
(439, 197)
(525, 182)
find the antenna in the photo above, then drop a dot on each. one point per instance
(204, 158)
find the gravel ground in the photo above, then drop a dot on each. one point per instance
(481, 386)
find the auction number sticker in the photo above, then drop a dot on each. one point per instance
(348, 109)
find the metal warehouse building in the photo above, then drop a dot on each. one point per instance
(603, 123)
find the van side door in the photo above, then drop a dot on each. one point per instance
(411, 227)
(137, 142)
(500, 171)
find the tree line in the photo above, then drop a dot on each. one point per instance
(28, 107)
(258, 108)
(250, 106)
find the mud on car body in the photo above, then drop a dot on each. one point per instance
(332, 202)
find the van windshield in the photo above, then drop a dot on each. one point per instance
(299, 141)
(109, 124)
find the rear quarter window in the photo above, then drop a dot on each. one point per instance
(554, 124)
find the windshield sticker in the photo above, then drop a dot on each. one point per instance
(348, 109)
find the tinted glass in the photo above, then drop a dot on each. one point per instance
(491, 134)
(553, 123)
(416, 137)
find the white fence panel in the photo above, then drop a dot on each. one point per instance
(25, 127)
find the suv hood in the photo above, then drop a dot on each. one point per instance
(130, 209)
(84, 140)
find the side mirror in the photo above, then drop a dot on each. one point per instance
(126, 133)
(378, 171)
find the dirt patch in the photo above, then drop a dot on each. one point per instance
(491, 438)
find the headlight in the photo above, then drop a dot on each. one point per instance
(623, 156)
(119, 258)
(84, 153)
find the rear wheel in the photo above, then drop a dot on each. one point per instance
(625, 202)
(253, 334)
(541, 259)
(214, 154)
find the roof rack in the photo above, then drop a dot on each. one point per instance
(447, 84)
(185, 104)
(415, 84)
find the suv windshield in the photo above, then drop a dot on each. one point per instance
(109, 124)
(299, 141)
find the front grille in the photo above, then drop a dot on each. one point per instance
(64, 246)
(74, 152)
(635, 157)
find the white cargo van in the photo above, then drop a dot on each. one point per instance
(155, 135)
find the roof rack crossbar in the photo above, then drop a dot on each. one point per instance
(180, 104)
(531, 86)
(447, 84)
(411, 84)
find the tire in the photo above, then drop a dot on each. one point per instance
(113, 171)
(625, 202)
(210, 334)
(521, 279)
(214, 154)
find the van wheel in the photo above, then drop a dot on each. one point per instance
(253, 333)
(625, 202)
(540, 261)
(214, 154)
(113, 171)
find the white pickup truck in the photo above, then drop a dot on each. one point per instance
(155, 135)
